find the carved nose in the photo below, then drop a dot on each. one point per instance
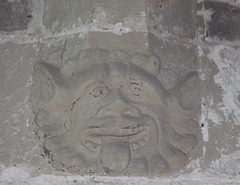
(117, 104)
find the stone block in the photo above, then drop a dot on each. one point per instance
(130, 42)
(62, 15)
(176, 17)
(16, 141)
(15, 15)
(119, 16)
(177, 57)
(224, 22)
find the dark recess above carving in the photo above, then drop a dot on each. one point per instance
(15, 15)
(225, 21)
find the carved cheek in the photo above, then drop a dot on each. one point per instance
(84, 109)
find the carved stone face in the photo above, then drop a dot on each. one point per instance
(114, 117)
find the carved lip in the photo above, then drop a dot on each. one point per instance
(115, 131)
(137, 136)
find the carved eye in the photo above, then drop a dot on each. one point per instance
(96, 92)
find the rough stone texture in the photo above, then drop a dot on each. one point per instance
(216, 158)
(15, 84)
(58, 50)
(224, 23)
(176, 17)
(178, 57)
(129, 42)
(108, 18)
(15, 15)
(218, 68)
(64, 15)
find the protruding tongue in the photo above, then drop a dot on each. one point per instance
(114, 155)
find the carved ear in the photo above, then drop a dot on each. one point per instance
(187, 93)
(45, 80)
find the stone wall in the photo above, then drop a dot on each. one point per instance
(185, 35)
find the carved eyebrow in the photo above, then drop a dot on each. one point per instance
(134, 83)
(147, 78)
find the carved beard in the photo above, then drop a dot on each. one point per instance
(114, 118)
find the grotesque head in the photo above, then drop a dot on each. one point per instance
(109, 113)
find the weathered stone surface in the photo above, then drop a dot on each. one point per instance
(119, 16)
(177, 58)
(57, 51)
(94, 114)
(15, 15)
(130, 42)
(17, 146)
(224, 22)
(175, 17)
(60, 15)
(215, 160)
(218, 68)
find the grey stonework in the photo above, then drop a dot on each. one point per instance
(224, 23)
(15, 15)
(197, 44)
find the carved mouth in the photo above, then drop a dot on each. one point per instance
(136, 136)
